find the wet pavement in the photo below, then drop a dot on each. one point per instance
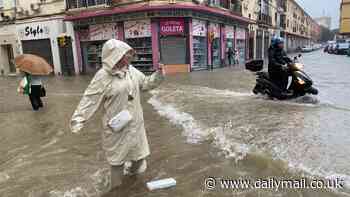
(200, 125)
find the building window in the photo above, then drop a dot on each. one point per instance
(71, 4)
(276, 17)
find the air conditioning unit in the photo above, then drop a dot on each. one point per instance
(5, 17)
(199, 1)
(35, 7)
(19, 10)
(257, 9)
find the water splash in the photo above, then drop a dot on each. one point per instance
(196, 132)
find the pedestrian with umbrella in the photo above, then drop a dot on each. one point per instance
(33, 67)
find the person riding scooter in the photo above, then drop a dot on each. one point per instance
(278, 59)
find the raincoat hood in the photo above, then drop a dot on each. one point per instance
(112, 52)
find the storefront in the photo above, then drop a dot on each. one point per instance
(173, 38)
(214, 29)
(200, 44)
(230, 44)
(92, 39)
(173, 44)
(39, 38)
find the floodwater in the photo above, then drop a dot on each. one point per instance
(200, 125)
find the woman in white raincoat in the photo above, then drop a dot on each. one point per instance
(116, 87)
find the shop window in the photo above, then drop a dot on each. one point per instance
(92, 52)
(200, 46)
(143, 48)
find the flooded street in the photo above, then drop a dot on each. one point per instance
(200, 125)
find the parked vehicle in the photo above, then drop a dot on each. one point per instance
(306, 49)
(342, 48)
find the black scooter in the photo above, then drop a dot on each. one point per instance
(301, 82)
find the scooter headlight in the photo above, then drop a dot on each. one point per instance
(301, 82)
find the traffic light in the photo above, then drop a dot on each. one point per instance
(63, 41)
(211, 36)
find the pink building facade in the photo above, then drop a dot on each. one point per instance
(180, 37)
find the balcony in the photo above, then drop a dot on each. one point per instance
(265, 19)
(236, 6)
(72, 4)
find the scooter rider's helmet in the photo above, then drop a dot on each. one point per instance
(276, 41)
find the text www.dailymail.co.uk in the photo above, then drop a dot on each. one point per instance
(272, 183)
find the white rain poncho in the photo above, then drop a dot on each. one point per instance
(111, 89)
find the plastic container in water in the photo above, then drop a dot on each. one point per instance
(161, 184)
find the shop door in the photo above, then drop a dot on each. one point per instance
(41, 48)
(66, 58)
(230, 48)
(251, 47)
(266, 43)
(10, 56)
(173, 50)
(216, 53)
(259, 41)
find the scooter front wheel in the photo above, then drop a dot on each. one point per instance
(256, 89)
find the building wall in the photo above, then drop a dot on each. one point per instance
(345, 17)
(7, 8)
(50, 7)
(301, 28)
(46, 17)
(7, 38)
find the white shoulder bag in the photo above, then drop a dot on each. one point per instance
(120, 121)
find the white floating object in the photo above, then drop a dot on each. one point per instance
(161, 184)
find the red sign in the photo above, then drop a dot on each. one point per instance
(174, 26)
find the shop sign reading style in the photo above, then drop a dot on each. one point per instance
(34, 31)
(172, 27)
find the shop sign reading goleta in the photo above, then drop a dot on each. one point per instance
(172, 27)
